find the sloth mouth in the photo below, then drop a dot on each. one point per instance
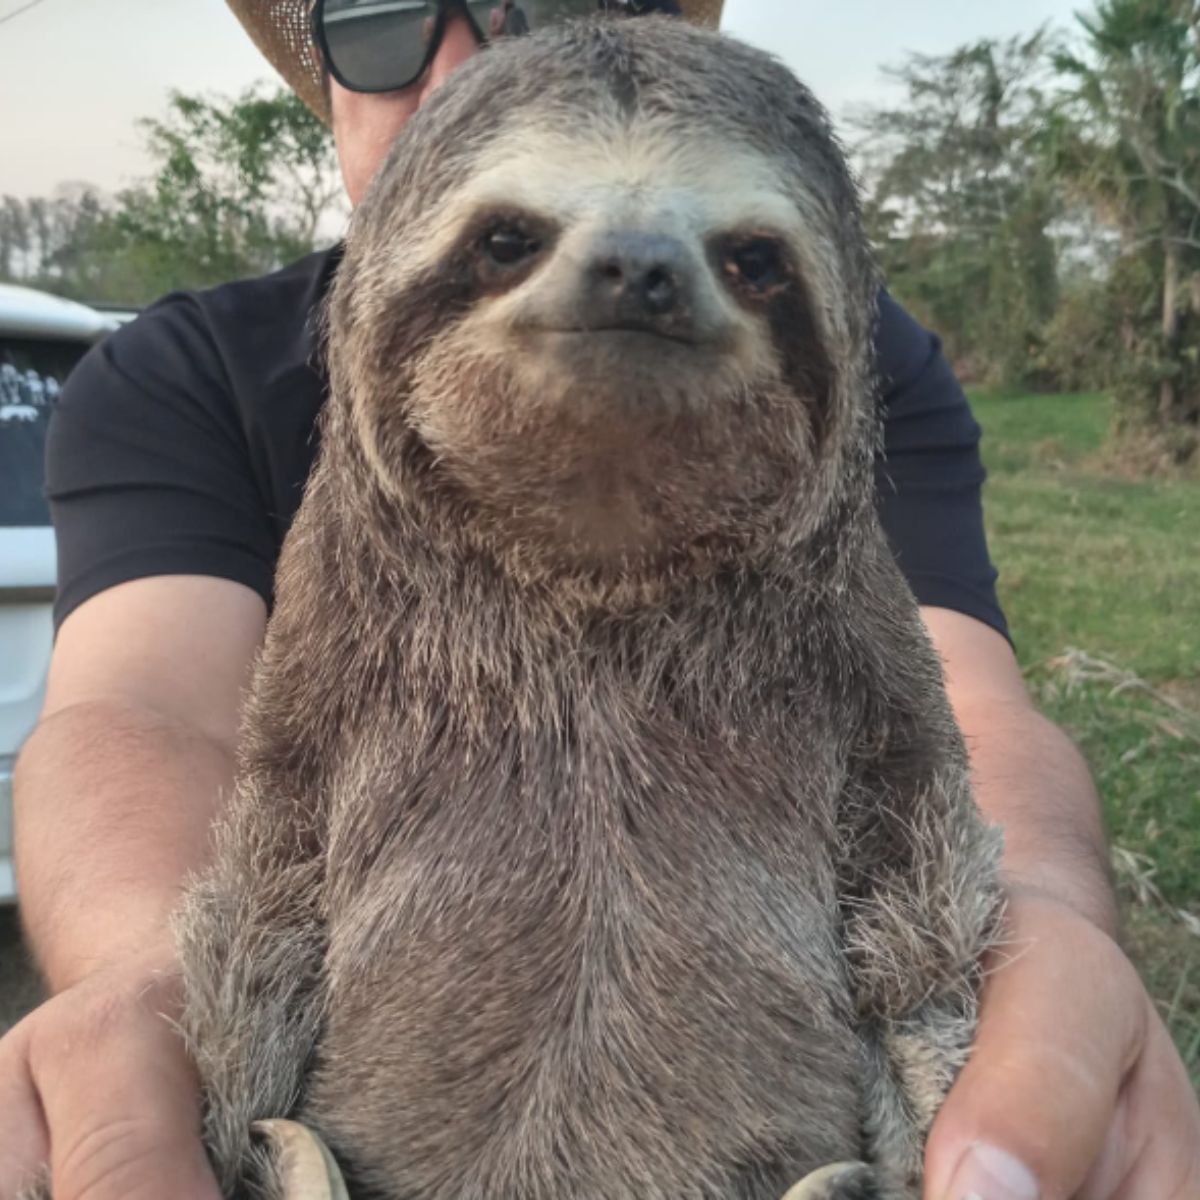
(621, 329)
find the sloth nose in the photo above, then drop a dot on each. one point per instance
(636, 279)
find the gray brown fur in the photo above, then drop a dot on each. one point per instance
(550, 878)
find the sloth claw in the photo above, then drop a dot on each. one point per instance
(304, 1167)
(307, 1171)
(841, 1181)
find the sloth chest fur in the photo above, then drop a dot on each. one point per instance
(566, 934)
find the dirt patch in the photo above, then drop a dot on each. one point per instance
(1184, 692)
(1050, 453)
(1138, 455)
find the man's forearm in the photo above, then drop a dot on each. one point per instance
(1029, 778)
(1031, 781)
(113, 806)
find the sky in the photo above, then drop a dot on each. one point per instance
(75, 75)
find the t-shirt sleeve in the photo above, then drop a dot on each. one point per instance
(930, 477)
(147, 467)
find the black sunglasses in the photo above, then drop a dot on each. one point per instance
(385, 45)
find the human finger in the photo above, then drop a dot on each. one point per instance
(1062, 1023)
(24, 1144)
(1153, 1151)
(121, 1106)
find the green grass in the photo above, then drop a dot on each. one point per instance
(1100, 579)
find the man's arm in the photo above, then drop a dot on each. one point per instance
(1028, 776)
(1074, 1088)
(114, 795)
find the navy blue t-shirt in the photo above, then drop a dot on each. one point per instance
(182, 443)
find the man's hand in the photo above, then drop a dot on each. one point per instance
(1074, 1091)
(102, 1066)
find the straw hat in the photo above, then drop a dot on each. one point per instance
(280, 29)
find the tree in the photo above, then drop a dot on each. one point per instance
(51, 242)
(239, 187)
(14, 238)
(958, 206)
(1126, 138)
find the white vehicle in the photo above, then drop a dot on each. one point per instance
(42, 337)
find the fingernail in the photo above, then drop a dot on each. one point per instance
(986, 1173)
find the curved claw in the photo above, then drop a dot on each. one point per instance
(307, 1171)
(839, 1181)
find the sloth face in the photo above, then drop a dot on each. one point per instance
(618, 329)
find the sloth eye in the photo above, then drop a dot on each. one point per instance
(507, 245)
(757, 262)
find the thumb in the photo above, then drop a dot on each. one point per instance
(1062, 1021)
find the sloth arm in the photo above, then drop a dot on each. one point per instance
(912, 926)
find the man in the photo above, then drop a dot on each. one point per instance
(177, 457)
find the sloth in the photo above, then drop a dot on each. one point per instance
(602, 831)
